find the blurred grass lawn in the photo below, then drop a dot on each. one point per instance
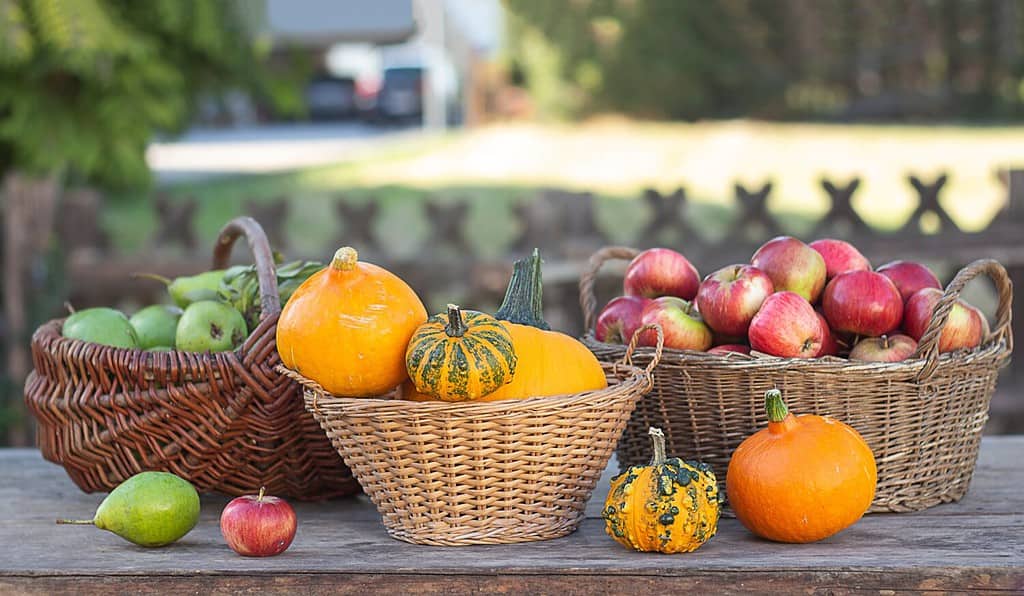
(496, 166)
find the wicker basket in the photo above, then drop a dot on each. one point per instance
(227, 422)
(922, 417)
(481, 472)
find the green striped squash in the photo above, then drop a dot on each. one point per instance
(460, 355)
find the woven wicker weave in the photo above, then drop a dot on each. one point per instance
(922, 417)
(227, 422)
(481, 472)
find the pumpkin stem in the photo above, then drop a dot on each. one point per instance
(456, 327)
(345, 259)
(658, 442)
(523, 304)
(774, 406)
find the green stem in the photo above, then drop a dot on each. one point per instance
(160, 278)
(523, 304)
(774, 406)
(77, 522)
(456, 327)
(658, 441)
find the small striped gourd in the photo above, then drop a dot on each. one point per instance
(460, 355)
(669, 506)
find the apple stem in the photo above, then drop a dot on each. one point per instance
(885, 342)
(263, 491)
(77, 522)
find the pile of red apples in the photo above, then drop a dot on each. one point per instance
(793, 300)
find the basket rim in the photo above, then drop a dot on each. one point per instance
(996, 349)
(634, 382)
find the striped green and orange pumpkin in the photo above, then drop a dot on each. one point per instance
(460, 355)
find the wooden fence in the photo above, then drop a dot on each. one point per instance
(564, 225)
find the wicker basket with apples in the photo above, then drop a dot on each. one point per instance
(910, 365)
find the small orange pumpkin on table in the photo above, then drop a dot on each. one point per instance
(347, 327)
(802, 479)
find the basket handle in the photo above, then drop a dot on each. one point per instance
(588, 301)
(259, 245)
(928, 348)
(627, 358)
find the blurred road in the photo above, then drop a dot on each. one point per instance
(202, 153)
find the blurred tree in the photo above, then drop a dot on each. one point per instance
(845, 59)
(86, 84)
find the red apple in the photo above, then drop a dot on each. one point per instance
(680, 322)
(862, 303)
(729, 298)
(729, 348)
(829, 346)
(661, 272)
(620, 319)
(964, 328)
(258, 525)
(792, 266)
(909, 277)
(884, 349)
(840, 256)
(786, 326)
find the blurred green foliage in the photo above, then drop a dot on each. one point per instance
(86, 84)
(848, 59)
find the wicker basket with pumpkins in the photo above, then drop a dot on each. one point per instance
(911, 366)
(464, 427)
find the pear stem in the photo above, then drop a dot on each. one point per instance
(77, 522)
(160, 278)
(263, 491)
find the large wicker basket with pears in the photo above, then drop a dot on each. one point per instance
(227, 422)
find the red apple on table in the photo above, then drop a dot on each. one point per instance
(730, 297)
(829, 345)
(964, 328)
(661, 272)
(792, 266)
(730, 348)
(884, 349)
(680, 323)
(258, 525)
(862, 303)
(840, 256)
(786, 326)
(620, 319)
(909, 277)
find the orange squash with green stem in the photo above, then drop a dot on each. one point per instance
(548, 362)
(802, 479)
(347, 327)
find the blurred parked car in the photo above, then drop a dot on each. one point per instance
(400, 96)
(331, 97)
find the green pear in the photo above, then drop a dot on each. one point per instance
(105, 326)
(210, 326)
(149, 509)
(190, 288)
(156, 325)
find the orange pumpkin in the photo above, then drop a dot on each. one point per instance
(802, 479)
(548, 362)
(347, 327)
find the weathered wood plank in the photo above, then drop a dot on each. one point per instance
(977, 544)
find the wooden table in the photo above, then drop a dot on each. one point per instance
(974, 545)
